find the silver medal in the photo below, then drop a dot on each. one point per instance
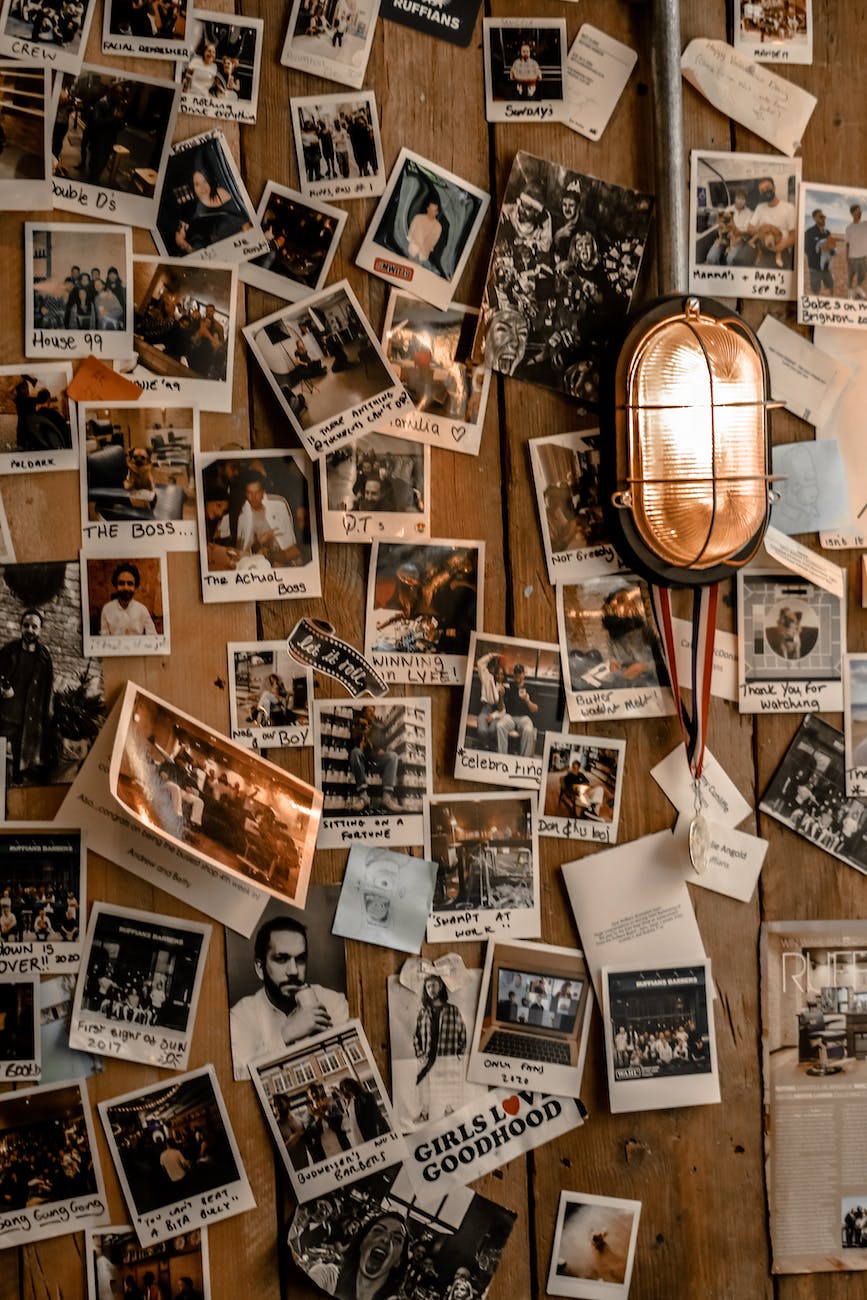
(699, 843)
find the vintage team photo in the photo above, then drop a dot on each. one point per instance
(302, 235)
(221, 77)
(378, 486)
(205, 212)
(337, 145)
(773, 32)
(269, 696)
(38, 428)
(43, 897)
(125, 605)
(76, 299)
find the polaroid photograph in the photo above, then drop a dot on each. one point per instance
(486, 853)
(598, 68)
(659, 1037)
(377, 486)
(613, 664)
(582, 783)
(328, 1111)
(287, 981)
(513, 695)
(269, 696)
(125, 605)
(175, 1154)
(424, 602)
(808, 794)
(44, 877)
(525, 69)
(855, 722)
(38, 426)
(213, 799)
(183, 331)
(146, 30)
(771, 33)
(118, 1266)
(326, 368)
(430, 350)
(743, 214)
(333, 43)
(138, 992)
(205, 212)
(454, 22)
(60, 1064)
(791, 641)
(337, 146)
(567, 252)
(48, 1139)
(111, 133)
(373, 765)
(25, 166)
(594, 1247)
(55, 35)
(20, 1046)
(385, 898)
(70, 309)
(221, 77)
(832, 266)
(138, 485)
(532, 1020)
(302, 234)
(566, 469)
(257, 526)
(423, 229)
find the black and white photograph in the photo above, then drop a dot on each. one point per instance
(125, 604)
(330, 38)
(117, 1265)
(49, 32)
(743, 217)
(533, 1019)
(25, 158)
(525, 69)
(808, 794)
(791, 640)
(52, 701)
(582, 783)
(302, 234)
(137, 475)
(52, 1182)
(486, 852)
(43, 874)
(855, 722)
(594, 1247)
(269, 696)
(376, 487)
(431, 1009)
(385, 898)
(183, 325)
(137, 995)
(832, 261)
(423, 230)
(38, 428)
(513, 696)
(76, 301)
(770, 32)
(373, 766)
(431, 351)
(258, 538)
(424, 602)
(176, 1156)
(337, 146)
(146, 29)
(328, 1111)
(111, 133)
(326, 368)
(381, 1230)
(566, 472)
(567, 252)
(853, 1221)
(220, 79)
(205, 212)
(287, 981)
(20, 1047)
(218, 801)
(613, 664)
(659, 1036)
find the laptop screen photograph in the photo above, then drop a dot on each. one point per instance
(537, 1002)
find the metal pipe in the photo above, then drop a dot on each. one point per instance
(670, 164)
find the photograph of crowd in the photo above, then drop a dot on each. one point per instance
(256, 513)
(609, 637)
(19, 1014)
(338, 139)
(302, 236)
(41, 887)
(514, 697)
(58, 25)
(138, 466)
(484, 850)
(582, 779)
(34, 412)
(594, 1246)
(332, 37)
(23, 108)
(46, 1156)
(658, 1022)
(775, 29)
(745, 211)
(425, 598)
(377, 474)
(203, 202)
(184, 317)
(524, 61)
(124, 599)
(80, 278)
(170, 1270)
(269, 689)
(372, 759)
(566, 256)
(147, 22)
(834, 242)
(790, 629)
(221, 76)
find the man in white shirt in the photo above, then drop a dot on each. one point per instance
(772, 229)
(526, 73)
(856, 252)
(265, 525)
(123, 615)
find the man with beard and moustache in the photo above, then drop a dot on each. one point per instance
(26, 691)
(286, 1008)
(123, 615)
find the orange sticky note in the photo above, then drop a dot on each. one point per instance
(94, 381)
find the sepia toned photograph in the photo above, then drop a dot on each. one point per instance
(269, 696)
(773, 32)
(221, 76)
(125, 605)
(302, 234)
(38, 427)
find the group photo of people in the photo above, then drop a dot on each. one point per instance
(376, 474)
(338, 139)
(79, 280)
(45, 1152)
(57, 23)
(123, 1269)
(775, 22)
(182, 320)
(835, 243)
(658, 1023)
(515, 697)
(425, 598)
(430, 350)
(222, 64)
(141, 972)
(257, 513)
(745, 217)
(854, 1214)
(34, 411)
(40, 888)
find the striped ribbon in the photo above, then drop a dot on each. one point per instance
(693, 724)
